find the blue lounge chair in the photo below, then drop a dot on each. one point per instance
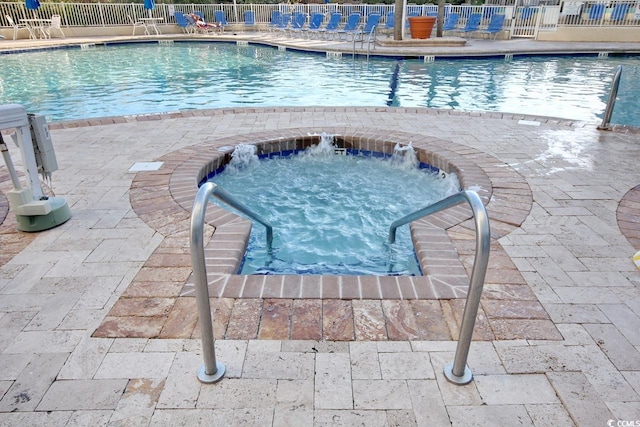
(472, 24)
(350, 26)
(201, 25)
(314, 24)
(221, 18)
(332, 25)
(285, 21)
(183, 23)
(276, 17)
(596, 12)
(527, 13)
(192, 23)
(249, 19)
(451, 22)
(390, 21)
(298, 22)
(619, 11)
(488, 12)
(369, 28)
(495, 26)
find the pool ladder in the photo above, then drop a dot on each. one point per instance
(612, 99)
(458, 372)
(370, 38)
(212, 371)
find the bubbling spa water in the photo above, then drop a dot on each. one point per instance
(331, 208)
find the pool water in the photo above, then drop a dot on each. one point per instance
(141, 78)
(331, 213)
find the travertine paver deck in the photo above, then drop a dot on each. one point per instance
(287, 306)
(570, 252)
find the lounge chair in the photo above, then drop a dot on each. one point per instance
(473, 22)
(527, 13)
(369, 28)
(196, 19)
(249, 20)
(18, 27)
(276, 17)
(488, 12)
(451, 22)
(596, 12)
(285, 21)
(298, 22)
(137, 24)
(619, 12)
(315, 23)
(350, 27)
(495, 26)
(183, 22)
(220, 18)
(390, 22)
(332, 25)
(56, 24)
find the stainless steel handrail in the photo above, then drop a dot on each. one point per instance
(371, 35)
(615, 83)
(458, 372)
(226, 197)
(212, 371)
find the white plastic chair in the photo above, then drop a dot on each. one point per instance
(56, 23)
(18, 27)
(136, 25)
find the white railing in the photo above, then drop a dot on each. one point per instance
(522, 21)
(617, 13)
(527, 21)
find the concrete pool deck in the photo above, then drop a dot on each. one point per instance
(94, 330)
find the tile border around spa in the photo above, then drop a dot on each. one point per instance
(445, 276)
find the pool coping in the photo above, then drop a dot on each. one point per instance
(154, 304)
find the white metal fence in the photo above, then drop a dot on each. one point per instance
(523, 21)
(599, 13)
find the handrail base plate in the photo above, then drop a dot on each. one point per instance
(210, 379)
(464, 379)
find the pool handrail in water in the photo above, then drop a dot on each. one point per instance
(615, 83)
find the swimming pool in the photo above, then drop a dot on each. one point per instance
(140, 78)
(331, 209)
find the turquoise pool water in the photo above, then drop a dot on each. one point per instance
(331, 213)
(130, 79)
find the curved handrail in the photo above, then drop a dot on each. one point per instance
(226, 197)
(458, 372)
(212, 371)
(371, 35)
(612, 99)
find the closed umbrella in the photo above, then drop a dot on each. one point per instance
(148, 4)
(32, 5)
